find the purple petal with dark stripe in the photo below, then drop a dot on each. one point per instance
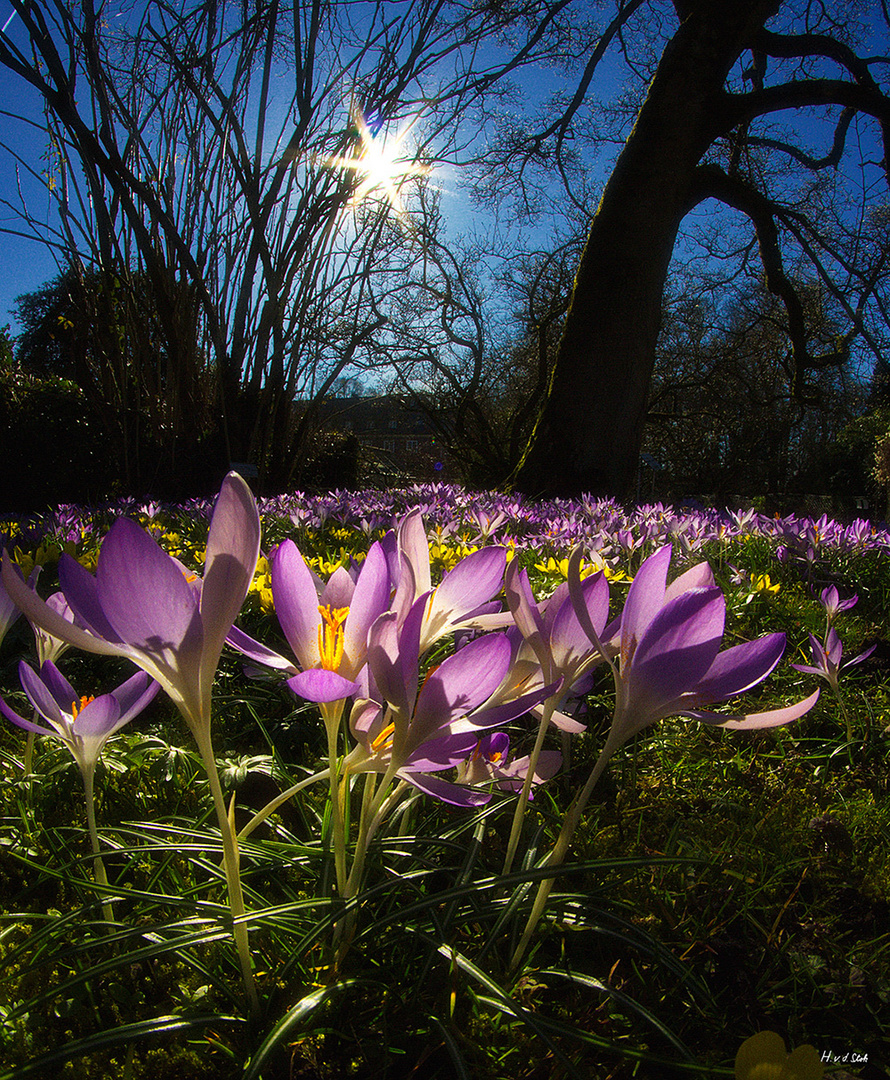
(644, 600)
(679, 646)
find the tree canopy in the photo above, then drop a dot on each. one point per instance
(241, 155)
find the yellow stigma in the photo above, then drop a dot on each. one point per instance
(330, 636)
(84, 701)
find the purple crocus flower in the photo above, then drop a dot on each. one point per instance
(553, 634)
(669, 660)
(827, 658)
(669, 663)
(833, 604)
(144, 605)
(410, 731)
(84, 724)
(490, 760)
(462, 597)
(326, 625)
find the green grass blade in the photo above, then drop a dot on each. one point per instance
(104, 1040)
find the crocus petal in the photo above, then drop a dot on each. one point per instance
(134, 695)
(830, 599)
(597, 635)
(43, 699)
(99, 719)
(862, 656)
(296, 602)
(14, 718)
(526, 614)
(455, 794)
(49, 647)
(321, 686)
(255, 650)
(806, 669)
(369, 600)
(464, 589)
(699, 576)
(677, 649)
(496, 745)
(753, 721)
(644, 600)
(487, 620)
(434, 755)
(834, 648)
(393, 655)
(820, 657)
(562, 721)
(366, 715)
(338, 590)
(460, 683)
(502, 712)
(569, 643)
(62, 691)
(233, 547)
(511, 777)
(81, 591)
(38, 613)
(413, 543)
(741, 667)
(143, 594)
(473, 581)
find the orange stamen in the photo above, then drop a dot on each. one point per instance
(84, 701)
(383, 738)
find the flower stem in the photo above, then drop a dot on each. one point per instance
(559, 851)
(233, 873)
(376, 807)
(28, 763)
(845, 713)
(522, 805)
(331, 715)
(279, 800)
(99, 875)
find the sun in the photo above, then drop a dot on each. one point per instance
(381, 163)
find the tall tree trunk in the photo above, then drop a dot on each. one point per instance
(589, 433)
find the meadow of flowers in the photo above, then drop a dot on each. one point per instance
(442, 783)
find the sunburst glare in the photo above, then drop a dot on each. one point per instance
(382, 164)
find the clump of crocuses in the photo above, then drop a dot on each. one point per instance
(415, 683)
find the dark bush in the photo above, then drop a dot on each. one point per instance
(50, 452)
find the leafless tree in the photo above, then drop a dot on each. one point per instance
(216, 150)
(776, 111)
(472, 328)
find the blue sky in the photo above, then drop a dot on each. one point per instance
(25, 264)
